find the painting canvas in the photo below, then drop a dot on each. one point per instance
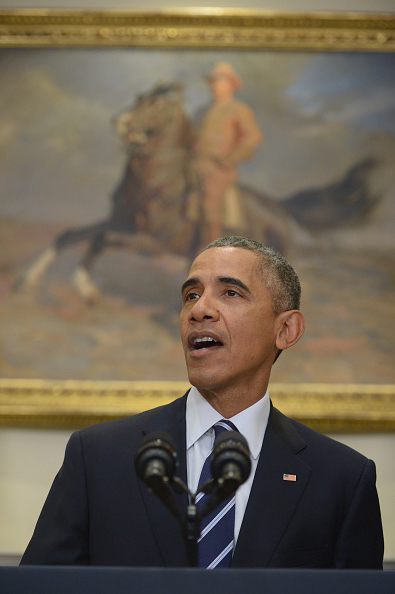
(318, 186)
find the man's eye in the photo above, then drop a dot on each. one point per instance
(232, 293)
(191, 296)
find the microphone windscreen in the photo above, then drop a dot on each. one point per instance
(156, 446)
(231, 447)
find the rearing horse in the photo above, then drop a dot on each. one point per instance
(148, 205)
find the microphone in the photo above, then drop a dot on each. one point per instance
(231, 463)
(156, 460)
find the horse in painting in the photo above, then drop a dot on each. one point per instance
(155, 207)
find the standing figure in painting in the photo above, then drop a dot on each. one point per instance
(227, 136)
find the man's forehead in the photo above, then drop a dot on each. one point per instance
(216, 264)
(227, 258)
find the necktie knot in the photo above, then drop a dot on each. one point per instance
(224, 425)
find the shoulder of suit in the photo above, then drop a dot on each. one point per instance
(314, 441)
(134, 423)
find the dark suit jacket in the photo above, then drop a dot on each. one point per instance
(98, 512)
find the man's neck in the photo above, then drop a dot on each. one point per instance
(233, 401)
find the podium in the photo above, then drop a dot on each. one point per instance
(124, 580)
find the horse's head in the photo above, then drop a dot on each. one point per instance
(149, 116)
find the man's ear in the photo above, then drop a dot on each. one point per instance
(291, 328)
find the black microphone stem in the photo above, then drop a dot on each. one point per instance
(192, 531)
(190, 524)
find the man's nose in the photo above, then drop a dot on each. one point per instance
(205, 308)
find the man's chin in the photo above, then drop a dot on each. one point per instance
(203, 381)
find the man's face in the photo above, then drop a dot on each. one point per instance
(222, 87)
(228, 328)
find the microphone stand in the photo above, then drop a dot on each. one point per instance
(191, 521)
(158, 474)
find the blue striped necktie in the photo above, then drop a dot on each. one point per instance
(215, 545)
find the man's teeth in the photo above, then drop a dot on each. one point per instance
(204, 342)
(204, 339)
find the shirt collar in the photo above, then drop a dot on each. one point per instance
(251, 422)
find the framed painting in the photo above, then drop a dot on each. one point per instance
(101, 210)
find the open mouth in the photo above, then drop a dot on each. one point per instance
(204, 342)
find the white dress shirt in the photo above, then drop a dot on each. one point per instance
(200, 418)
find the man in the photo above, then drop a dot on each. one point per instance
(309, 502)
(227, 136)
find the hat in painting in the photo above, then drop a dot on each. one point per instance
(225, 69)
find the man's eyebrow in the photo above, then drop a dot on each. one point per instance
(189, 282)
(225, 280)
(229, 280)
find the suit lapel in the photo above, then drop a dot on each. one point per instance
(166, 528)
(272, 500)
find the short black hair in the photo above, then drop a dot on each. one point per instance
(277, 273)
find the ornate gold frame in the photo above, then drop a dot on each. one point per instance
(194, 27)
(60, 404)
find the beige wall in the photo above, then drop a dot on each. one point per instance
(290, 5)
(29, 460)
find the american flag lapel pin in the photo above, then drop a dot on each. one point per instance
(289, 477)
